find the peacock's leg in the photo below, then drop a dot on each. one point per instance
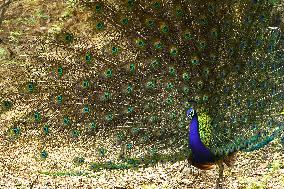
(182, 167)
(220, 178)
(193, 170)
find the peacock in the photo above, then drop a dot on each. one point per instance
(135, 83)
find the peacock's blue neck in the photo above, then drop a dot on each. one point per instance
(201, 154)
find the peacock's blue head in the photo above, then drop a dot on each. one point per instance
(190, 113)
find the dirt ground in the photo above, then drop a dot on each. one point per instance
(262, 169)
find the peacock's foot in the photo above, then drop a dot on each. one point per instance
(219, 186)
(194, 171)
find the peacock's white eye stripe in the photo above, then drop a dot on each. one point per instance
(190, 112)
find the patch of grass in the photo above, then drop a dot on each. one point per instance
(149, 186)
(7, 22)
(31, 2)
(72, 3)
(15, 35)
(11, 62)
(3, 53)
(282, 180)
(257, 185)
(276, 165)
(67, 14)
(61, 174)
(55, 29)
(42, 15)
(251, 183)
(30, 21)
